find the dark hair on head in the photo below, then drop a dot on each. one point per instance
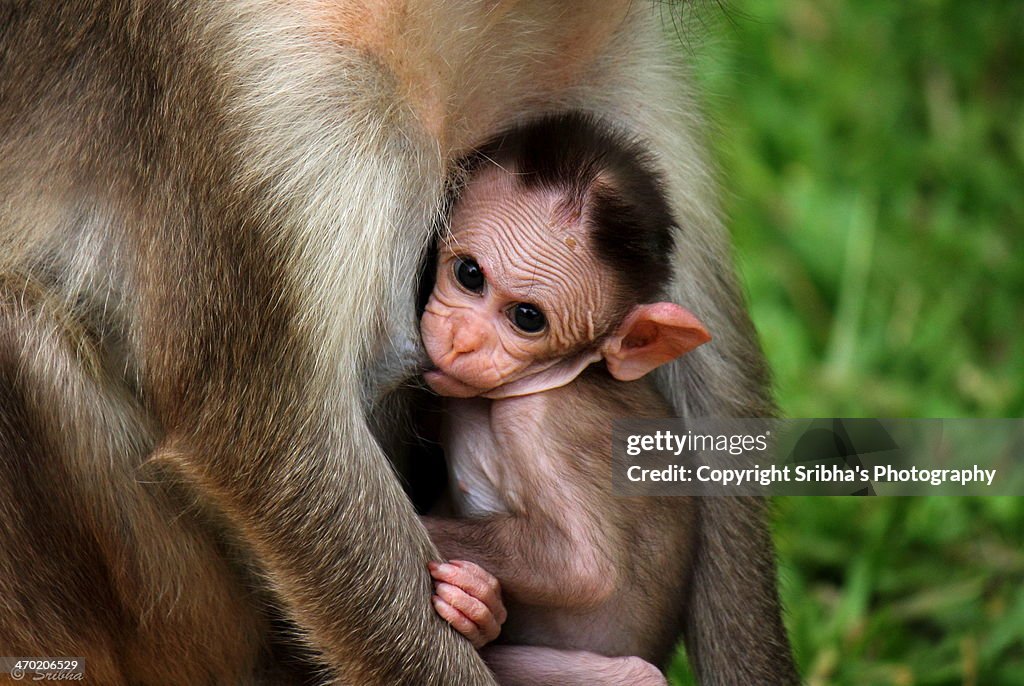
(609, 180)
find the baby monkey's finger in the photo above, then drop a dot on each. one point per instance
(476, 581)
(459, 622)
(475, 611)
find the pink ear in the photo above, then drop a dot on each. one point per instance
(650, 336)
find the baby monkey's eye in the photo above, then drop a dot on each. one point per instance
(527, 317)
(469, 274)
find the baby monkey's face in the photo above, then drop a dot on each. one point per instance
(519, 294)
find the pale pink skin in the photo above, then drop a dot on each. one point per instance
(529, 252)
(468, 598)
(530, 249)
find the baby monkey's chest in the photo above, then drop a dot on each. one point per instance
(487, 470)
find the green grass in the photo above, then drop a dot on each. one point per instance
(873, 157)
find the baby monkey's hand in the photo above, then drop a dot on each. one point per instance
(469, 599)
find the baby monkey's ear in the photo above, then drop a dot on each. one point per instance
(650, 336)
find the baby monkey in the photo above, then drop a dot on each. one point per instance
(558, 251)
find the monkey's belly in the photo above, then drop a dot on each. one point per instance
(619, 628)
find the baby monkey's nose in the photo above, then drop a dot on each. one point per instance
(468, 335)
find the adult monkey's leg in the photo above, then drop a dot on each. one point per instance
(98, 559)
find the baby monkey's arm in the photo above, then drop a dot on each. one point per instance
(548, 559)
(468, 598)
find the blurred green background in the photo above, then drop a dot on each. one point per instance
(872, 153)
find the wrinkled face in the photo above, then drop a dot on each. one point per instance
(518, 288)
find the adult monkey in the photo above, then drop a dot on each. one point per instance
(209, 213)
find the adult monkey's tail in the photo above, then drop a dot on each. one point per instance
(733, 627)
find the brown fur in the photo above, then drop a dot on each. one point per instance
(97, 558)
(180, 352)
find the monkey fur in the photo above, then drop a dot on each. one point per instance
(209, 215)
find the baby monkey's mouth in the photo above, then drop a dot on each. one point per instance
(446, 384)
